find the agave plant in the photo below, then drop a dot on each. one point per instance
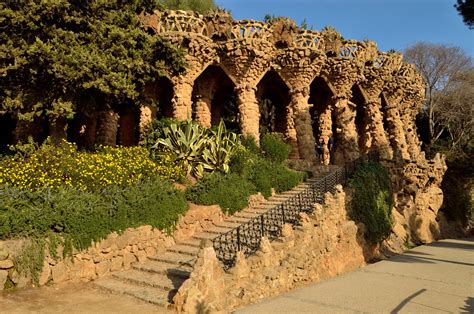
(220, 146)
(187, 143)
(197, 148)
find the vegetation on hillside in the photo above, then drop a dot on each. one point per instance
(372, 201)
(446, 121)
(63, 56)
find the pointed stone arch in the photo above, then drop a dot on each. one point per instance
(273, 95)
(322, 117)
(214, 98)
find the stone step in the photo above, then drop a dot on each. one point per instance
(147, 294)
(191, 242)
(184, 249)
(219, 230)
(156, 280)
(264, 206)
(246, 214)
(257, 210)
(175, 258)
(228, 224)
(160, 267)
(205, 236)
(240, 220)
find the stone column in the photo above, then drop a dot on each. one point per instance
(107, 128)
(203, 110)
(147, 114)
(346, 139)
(396, 129)
(182, 99)
(413, 142)
(376, 129)
(249, 111)
(325, 130)
(291, 134)
(302, 120)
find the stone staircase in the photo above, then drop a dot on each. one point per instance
(158, 279)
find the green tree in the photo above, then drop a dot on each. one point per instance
(55, 54)
(201, 6)
(466, 10)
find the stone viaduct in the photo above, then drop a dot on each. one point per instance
(317, 83)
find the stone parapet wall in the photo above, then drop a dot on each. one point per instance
(116, 252)
(327, 244)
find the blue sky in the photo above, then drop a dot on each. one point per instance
(391, 23)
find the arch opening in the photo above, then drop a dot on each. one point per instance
(273, 96)
(323, 119)
(214, 99)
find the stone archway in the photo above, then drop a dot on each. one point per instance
(322, 116)
(273, 95)
(214, 98)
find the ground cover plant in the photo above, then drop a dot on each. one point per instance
(251, 170)
(59, 195)
(372, 201)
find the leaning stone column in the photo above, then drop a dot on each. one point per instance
(396, 129)
(203, 110)
(413, 142)
(302, 120)
(182, 99)
(379, 136)
(291, 135)
(347, 147)
(249, 111)
(107, 128)
(325, 130)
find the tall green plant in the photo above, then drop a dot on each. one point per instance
(372, 201)
(187, 143)
(199, 149)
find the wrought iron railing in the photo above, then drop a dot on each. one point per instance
(246, 238)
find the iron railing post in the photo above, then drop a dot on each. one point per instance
(283, 213)
(238, 239)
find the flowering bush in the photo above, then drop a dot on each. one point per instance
(64, 166)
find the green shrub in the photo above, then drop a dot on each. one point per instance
(250, 144)
(199, 149)
(63, 166)
(263, 173)
(274, 147)
(372, 201)
(82, 217)
(229, 191)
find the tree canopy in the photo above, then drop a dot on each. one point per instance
(466, 10)
(448, 109)
(53, 53)
(201, 6)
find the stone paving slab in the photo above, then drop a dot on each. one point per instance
(435, 278)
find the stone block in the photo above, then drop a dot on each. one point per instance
(6, 264)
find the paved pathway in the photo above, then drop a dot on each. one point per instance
(435, 278)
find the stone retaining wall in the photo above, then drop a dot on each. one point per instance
(327, 244)
(114, 253)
